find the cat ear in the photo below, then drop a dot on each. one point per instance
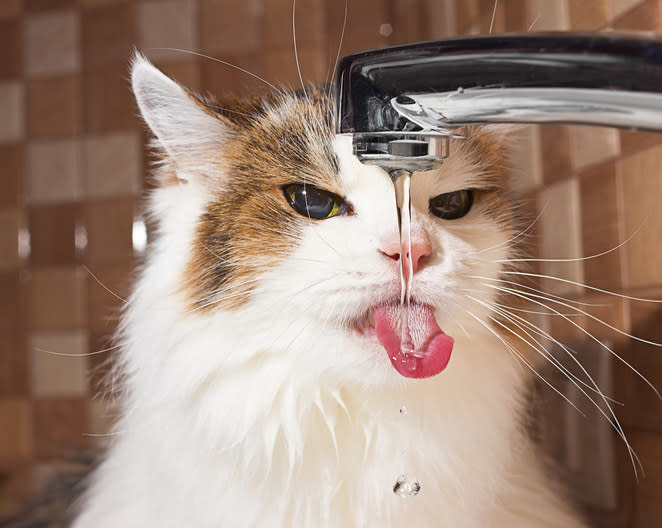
(183, 126)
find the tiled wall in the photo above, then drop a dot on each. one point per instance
(72, 171)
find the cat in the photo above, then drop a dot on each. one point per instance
(260, 376)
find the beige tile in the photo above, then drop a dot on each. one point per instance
(561, 236)
(641, 180)
(57, 299)
(11, 220)
(54, 171)
(591, 145)
(556, 152)
(167, 24)
(15, 424)
(526, 151)
(619, 7)
(12, 110)
(52, 43)
(112, 165)
(550, 16)
(55, 374)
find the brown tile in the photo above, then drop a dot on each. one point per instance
(491, 20)
(645, 407)
(221, 34)
(52, 234)
(109, 103)
(112, 165)
(561, 237)
(363, 23)
(557, 157)
(109, 231)
(15, 441)
(15, 486)
(634, 141)
(167, 24)
(52, 43)
(105, 292)
(586, 15)
(45, 5)
(11, 161)
(611, 310)
(221, 79)
(281, 68)
(277, 24)
(591, 145)
(53, 171)
(601, 217)
(12, 98)
(11, 220)
(14, 365)
(109, 35)
(466, 14)
(60, 424)
(10, 49)
(647, 16)
(11, 302)
(185, 73)
(648, 506)
(641, 181)
(53, 372)
(54, 107)
(57, 299)
(10, 8)
(517, 15)
(99, 3)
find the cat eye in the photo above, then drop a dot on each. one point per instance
(452, 205)
(313, 202)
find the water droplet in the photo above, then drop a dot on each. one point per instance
(406, 487)
(460, 90)
(403, 410)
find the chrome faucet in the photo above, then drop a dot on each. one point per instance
(402, 104)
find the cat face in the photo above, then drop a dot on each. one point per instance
(294, 229)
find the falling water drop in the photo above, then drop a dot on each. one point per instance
(406, 486)
(403, 410)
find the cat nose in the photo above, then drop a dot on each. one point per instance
(421, 249)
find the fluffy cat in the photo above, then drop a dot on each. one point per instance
(255, 388)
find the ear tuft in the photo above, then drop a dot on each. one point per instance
(181, 124)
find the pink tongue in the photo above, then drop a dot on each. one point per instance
(432, 348)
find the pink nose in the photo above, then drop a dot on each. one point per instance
(420, 252)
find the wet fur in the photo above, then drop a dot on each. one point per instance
(248, 398)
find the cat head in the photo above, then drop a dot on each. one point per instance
(293, 238)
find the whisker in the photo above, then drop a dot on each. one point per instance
(528, 296)
(496, 2)
(342, 36)
(593, 288)
(294, 38)
(514, 351)
(65, 354)
(103, 285)
(614, 422)
(202, 55)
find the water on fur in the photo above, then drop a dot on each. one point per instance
(406, 486)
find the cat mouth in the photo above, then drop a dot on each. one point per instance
(421, 350)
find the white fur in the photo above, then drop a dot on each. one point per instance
(274, 415)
